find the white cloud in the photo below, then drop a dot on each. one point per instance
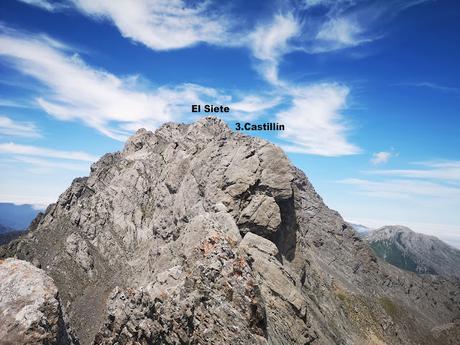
(45, 4)
(381, 157)
(339, 33)
(101, 100)
(313, 3)
(9, 127)
(161, 24)
(115, 106)
(43, 166)
(252, 106)
(440, 164)
(28, 150)
(404, 189)
(349, 23)
(433, 86)
(269, 42)
(158, 24)
(441, 170)
(255, 103)
(314, 124)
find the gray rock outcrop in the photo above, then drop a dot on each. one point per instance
(195, 234)
(30, 309)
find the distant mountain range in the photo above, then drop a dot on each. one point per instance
(16, 217)
(14, 220)
(406, 249)
(4, 229)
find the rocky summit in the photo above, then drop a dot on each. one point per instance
(195, 234)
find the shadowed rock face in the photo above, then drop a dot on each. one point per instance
(198, 235)
(30, 310)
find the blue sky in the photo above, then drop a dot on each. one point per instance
(368, 91)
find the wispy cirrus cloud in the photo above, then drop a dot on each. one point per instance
(435, 179)
(270, 41)
(348, 24)
(404, 189)
(339, 33)
(255, 103)
(161, 24)
(12, 128)
(433, 86)
(44, 166)
(251, 107)
(76, 91)
(175, 24)
(30, 150)
(446, 170)
(314, 124)
(46, 5)
(114, 106)
(111, 105)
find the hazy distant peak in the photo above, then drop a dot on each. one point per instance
(402, 247)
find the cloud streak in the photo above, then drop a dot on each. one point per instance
(441, 170)
(29, 150)
(44, 166)
(339, 33)
(161, 24)
(270, 42)
(433, 86)
(403, 189)
(45, 5)
(12, 128)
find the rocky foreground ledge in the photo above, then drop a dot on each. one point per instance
(195, 234)
(30, 309)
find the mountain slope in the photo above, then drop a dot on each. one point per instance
(415, 252)
(195, 234)
(9, 236)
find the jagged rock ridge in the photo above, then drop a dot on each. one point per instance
(195, 234)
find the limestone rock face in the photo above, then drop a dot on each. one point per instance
(195, 234)
(261, 215)
(30, 310)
